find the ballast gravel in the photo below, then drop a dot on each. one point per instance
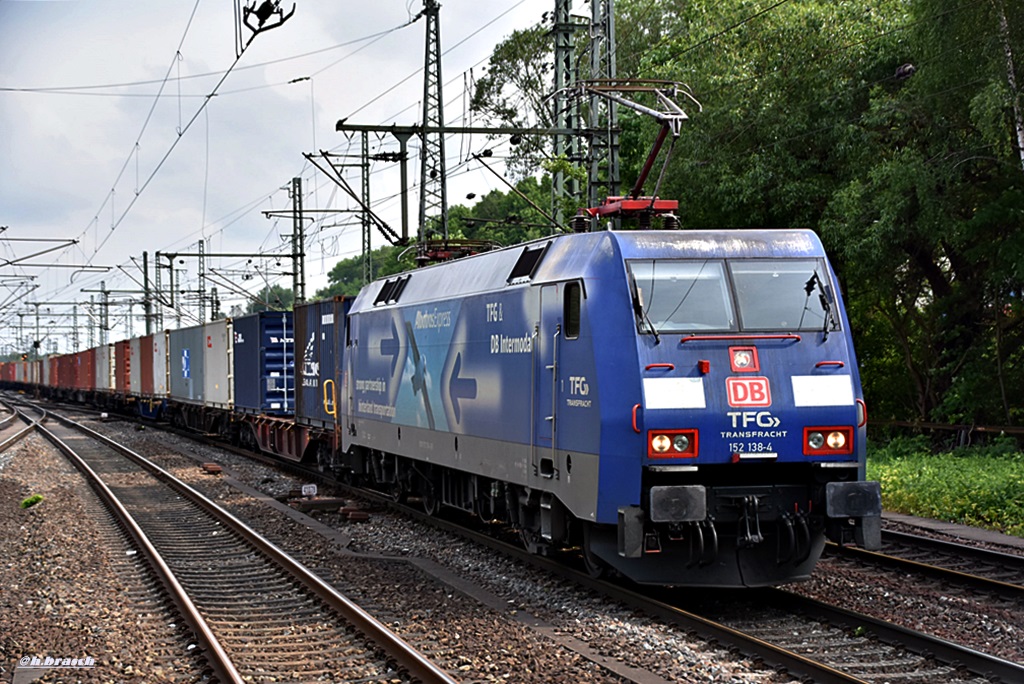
(71, 588)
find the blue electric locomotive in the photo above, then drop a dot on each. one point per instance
(683, 406)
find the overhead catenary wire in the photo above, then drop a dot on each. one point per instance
(73, 89)
(117, 221)
(139, 188)
(208, 228)
(163, 159)
(145, 123)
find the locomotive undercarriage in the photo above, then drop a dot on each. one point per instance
(542, 522)
(733, 531)
(741, 536)
(726, 529)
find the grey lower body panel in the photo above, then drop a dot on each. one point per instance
(573, 476)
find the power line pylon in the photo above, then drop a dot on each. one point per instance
(566, 106)
(364, 177)
(298, 238)
(433, 178)
(603, 123)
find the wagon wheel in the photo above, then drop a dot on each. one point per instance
(398, 492)
(324, 462)
(430, 501)
(248, 437)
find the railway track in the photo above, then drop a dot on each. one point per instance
(983, 569)
(260, 615)
(806, 638)
(862, 648)
(53, 578)
(11, 429)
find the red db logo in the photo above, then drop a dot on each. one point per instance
(748, 391)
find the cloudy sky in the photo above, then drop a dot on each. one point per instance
(105, 140)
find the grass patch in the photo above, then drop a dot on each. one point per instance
(31, 501)
(979, 486)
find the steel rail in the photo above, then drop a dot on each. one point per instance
(7, 419)
(772, 654)
(986, 555)
(769, 653)
(795, 663)
(943, 651)
(778, 656)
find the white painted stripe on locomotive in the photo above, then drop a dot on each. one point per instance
(674, 393)
(822, 390)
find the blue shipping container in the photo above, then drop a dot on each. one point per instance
(264, 363)
(320, 340)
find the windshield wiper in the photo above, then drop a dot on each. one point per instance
(638, 308)
(824, 301)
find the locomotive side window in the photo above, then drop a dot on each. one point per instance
(775, 294)
(683, 296)
(571, 313)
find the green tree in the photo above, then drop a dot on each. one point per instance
(506, 218)
(930, 223)
(273, 298)
(512, 92)
(346, 278)
(891, 130)
(501, 218)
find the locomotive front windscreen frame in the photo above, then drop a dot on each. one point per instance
(732, 295)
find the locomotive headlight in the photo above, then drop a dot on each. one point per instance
(660, 443)
(742, 358)
(836, 440)
(672, 443)
(828, 441)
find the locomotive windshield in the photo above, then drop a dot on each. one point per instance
(684, 295)
(774, 295)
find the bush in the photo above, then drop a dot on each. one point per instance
(978, 486)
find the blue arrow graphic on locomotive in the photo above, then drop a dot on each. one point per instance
(391, 347)
(460, 388)
(419, 375)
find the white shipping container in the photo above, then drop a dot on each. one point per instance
(218, 364)
(135, 366)
(105, 368)
(160, 382)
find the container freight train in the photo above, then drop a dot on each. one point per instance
(683, 407)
